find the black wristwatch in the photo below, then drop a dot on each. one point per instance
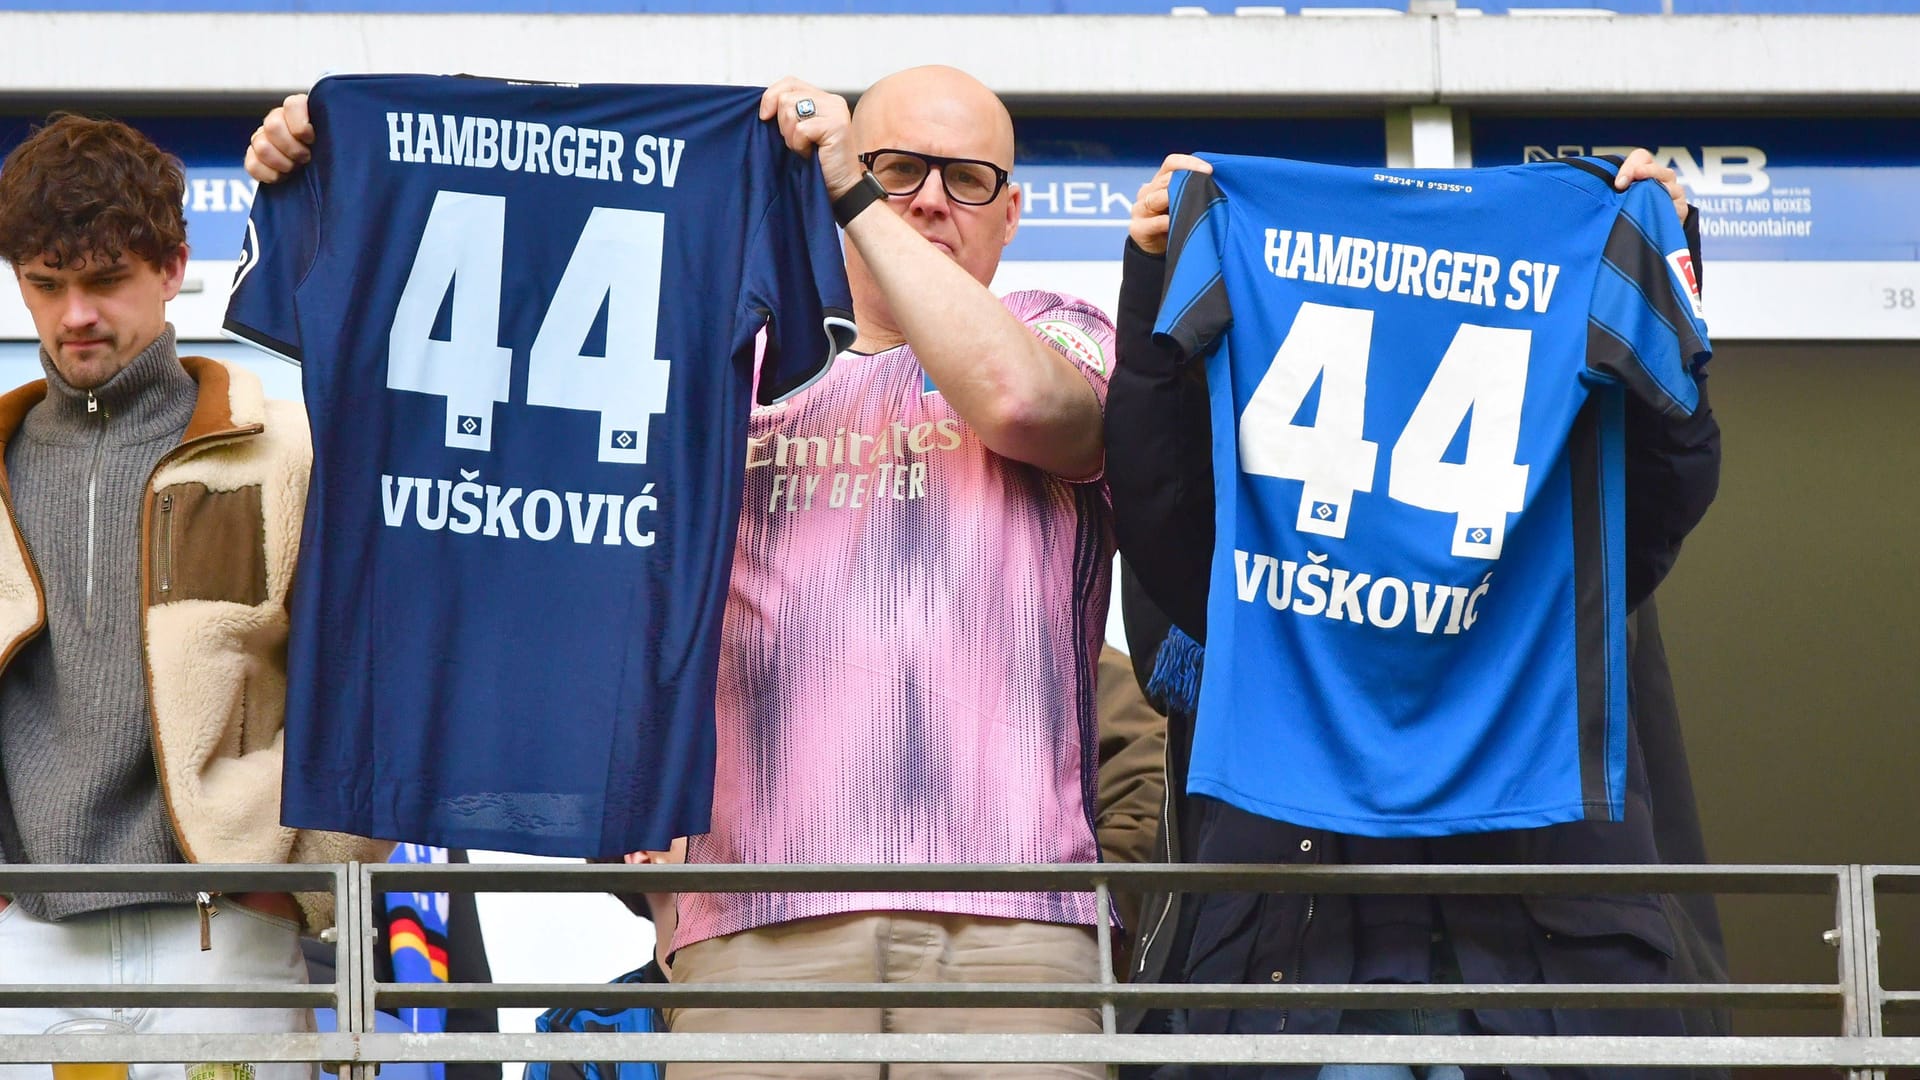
(857, 198)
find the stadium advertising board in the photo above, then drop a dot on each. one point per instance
(1078, 176)
(1809, 230)
(1808, 224)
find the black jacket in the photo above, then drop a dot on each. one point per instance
(1159, 468)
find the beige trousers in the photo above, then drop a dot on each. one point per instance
(891, 947)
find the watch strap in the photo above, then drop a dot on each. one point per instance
(857, 198)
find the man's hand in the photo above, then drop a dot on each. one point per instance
(675, 854)
(822, 130)
(1152, 212)
(280, 144)
(1639, 166)
(666, 915)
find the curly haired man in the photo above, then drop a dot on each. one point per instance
(150, 509)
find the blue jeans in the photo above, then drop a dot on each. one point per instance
(1443, 969)
(1396, 1022)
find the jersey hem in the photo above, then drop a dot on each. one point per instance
(266, 343)
(356, 823)
(1203, 784)
(1060, 909)
(841, 333)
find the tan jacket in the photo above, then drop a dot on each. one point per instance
(220, 530)
(1133, 774)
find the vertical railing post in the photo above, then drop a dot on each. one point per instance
(1841, 937)
(1875, 1005)
(1848, 933)
(1103, 941)
(1868, 963)
(346, 951)
(364, 928)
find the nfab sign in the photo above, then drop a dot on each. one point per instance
(1716, 170)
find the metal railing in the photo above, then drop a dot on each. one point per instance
(1859, 1042)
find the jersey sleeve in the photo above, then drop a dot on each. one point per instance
(1075, 329)
(796, 283)
(281, 239)
(1645, 326)
(1193, 310)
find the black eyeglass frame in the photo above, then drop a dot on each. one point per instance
(933, 161)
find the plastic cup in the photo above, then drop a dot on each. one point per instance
(220, 1070)
(90, 1070)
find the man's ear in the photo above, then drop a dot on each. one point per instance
(173, 272)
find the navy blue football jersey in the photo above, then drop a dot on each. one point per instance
(526, 320)
(1416, 613)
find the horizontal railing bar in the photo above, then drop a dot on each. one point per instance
(183, 995)
(1084, 995)
(168, 877)
(976, 1048)
(260, 1048)
(1421, 879)
(1895, 879)
(1900, 1001)
(1148, 1049)
(1491, 1050)
(715, 878)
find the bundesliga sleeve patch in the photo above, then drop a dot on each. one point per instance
(1682, 263)
(1075, 342)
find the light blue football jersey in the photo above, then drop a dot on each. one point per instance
(1416, 618)
(526, 318)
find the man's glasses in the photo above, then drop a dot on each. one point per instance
(967, 180)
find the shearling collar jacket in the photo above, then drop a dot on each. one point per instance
(220, 529)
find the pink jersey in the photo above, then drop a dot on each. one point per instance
(908, 655)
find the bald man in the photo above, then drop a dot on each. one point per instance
(918, 598)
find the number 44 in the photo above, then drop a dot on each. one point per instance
(615, 261)
(1483, 373)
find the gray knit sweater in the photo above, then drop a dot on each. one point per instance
(78, 782)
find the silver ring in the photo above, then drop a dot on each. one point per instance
(803, 108)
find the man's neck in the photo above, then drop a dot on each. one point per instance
(151, 390)
(877, 330)
(869, 344)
